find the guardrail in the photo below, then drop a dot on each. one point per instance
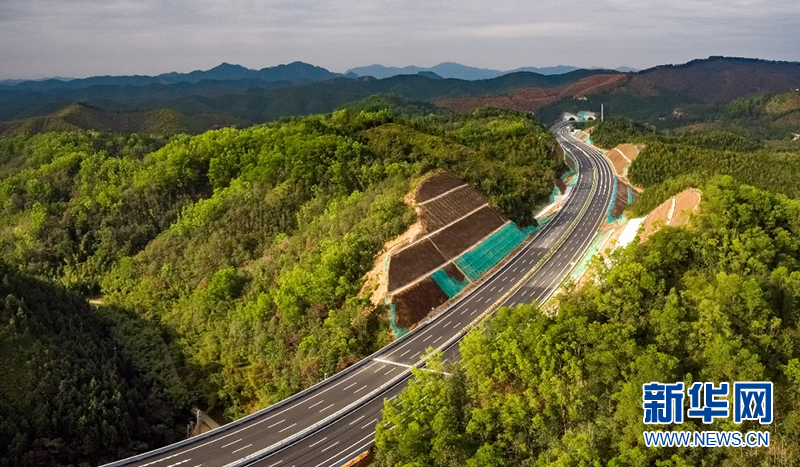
(544, 258)
(338, 414)
(516, 286)
(264, 411)
(269, 450)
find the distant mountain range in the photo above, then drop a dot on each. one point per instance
(258, 101)
(296, 72)
(13, 82)
(292, 73)
(459, 71)
(694, 90)
(235, 95)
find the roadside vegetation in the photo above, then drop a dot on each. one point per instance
(714, 301)
(671, 161)
(229, 264)
(717, 302)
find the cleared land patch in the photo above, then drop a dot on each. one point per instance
(412, 262)
(536, 98)
(461, 235)
(673, 212)
(441, 211)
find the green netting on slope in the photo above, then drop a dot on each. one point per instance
(583, 263)
(449, 285)
(568, 173)
(569, 178)
(553, 194)
(542, 221)
(489, 252)
(550, 200)
(398, 332)
(611, 206)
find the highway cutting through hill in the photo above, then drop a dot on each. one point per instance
(334, 420)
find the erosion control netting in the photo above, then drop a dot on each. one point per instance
(412, 262)
(611, 205)
(435, 185)
(583, 263)
(485, 255)
(449, 285)
(457, 237)
(553, 195)
(542, 221)
(439, 212)
(398, 331)
(562, 186)
(416, 302)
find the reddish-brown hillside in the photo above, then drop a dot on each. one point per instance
(711, 80)
(534, 98)
(721, 79)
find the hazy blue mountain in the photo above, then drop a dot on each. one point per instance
(10, 82)
(548, 70)
(429, 74)
(458, 71)
(381, 72)
(445, 70)
(14, 82)
(222, 72)
(296, 72)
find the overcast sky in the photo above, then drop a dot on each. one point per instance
(78, 38)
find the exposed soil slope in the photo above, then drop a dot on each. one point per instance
(721, 79)
(622, 156)
(673, 212)
(534, 98)
(451, 218)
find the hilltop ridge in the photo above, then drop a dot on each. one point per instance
(232, 94)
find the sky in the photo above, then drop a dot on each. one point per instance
(80, 38)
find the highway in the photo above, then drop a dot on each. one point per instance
(334, 420)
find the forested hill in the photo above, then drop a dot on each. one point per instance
(258, 101)
(69, 393)
(715, 300)
(74, 117)
(719, 302)
(230, 264)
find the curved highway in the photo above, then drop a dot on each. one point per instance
(333, 421)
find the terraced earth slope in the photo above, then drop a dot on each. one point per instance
(431, 267)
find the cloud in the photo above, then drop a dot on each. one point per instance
(90, 37)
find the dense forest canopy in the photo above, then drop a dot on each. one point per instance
(716, 302)
(69, 392)
(670, 161)
(230, 264)
(230, 269)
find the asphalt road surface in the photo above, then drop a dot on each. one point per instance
(333, 421)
